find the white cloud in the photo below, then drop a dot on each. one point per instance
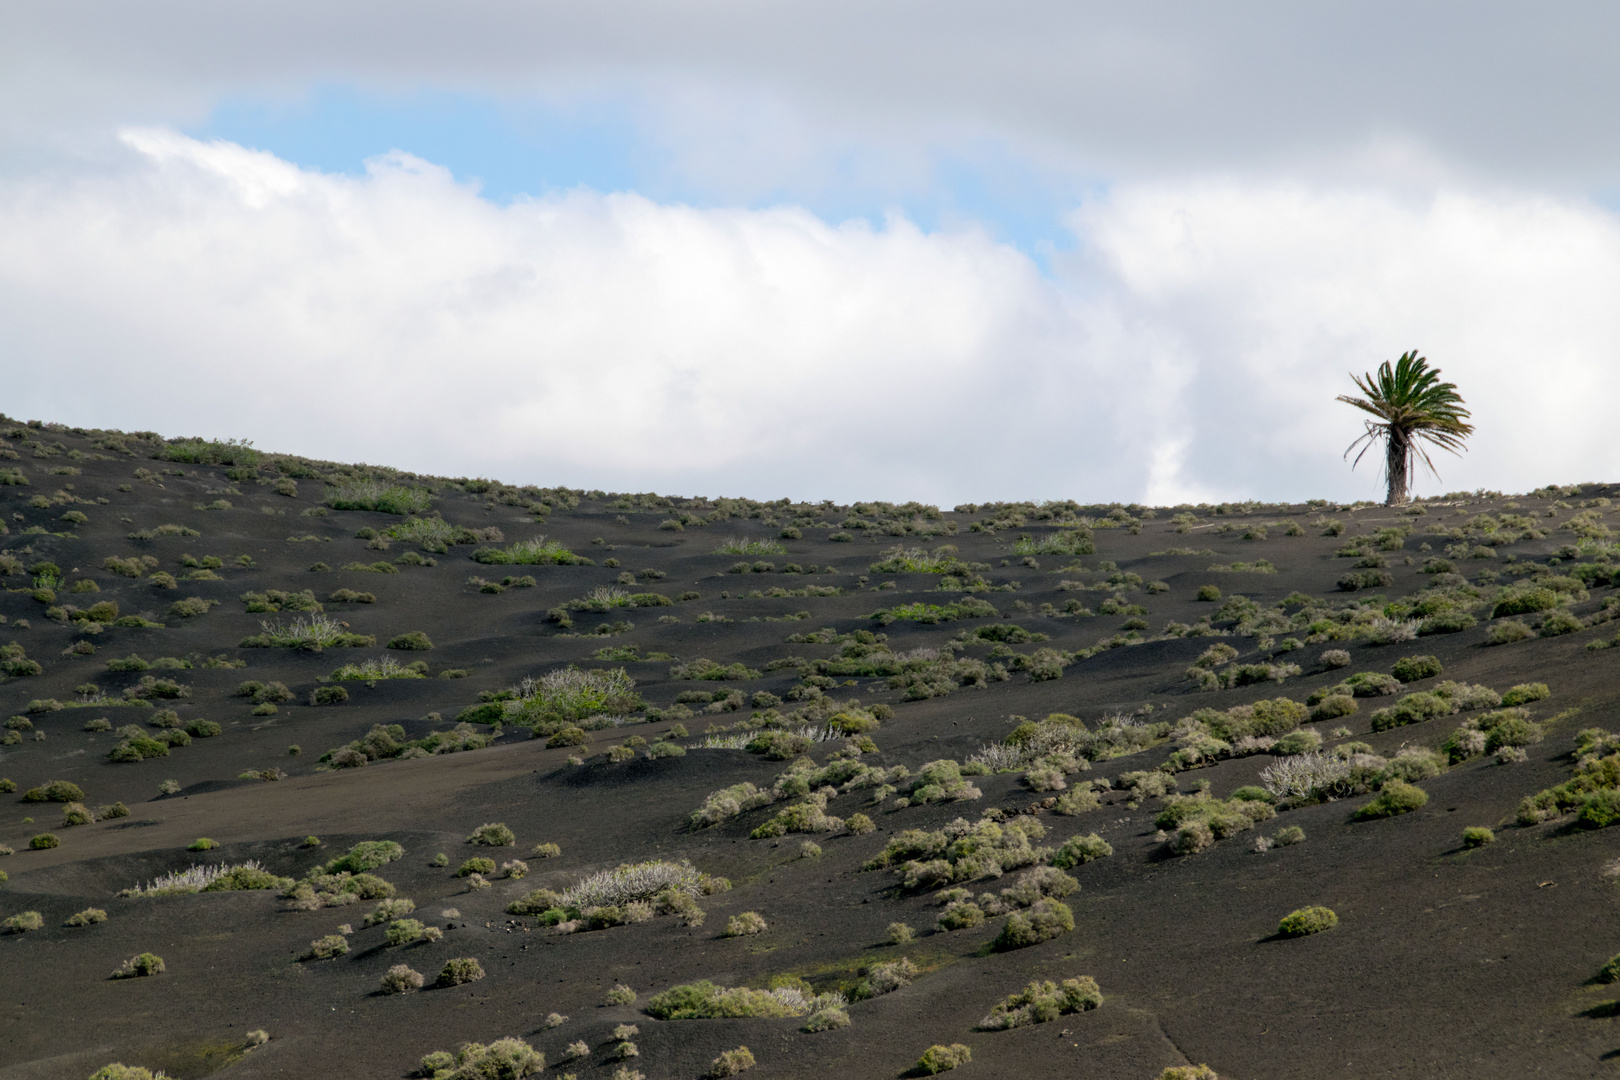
(1191, 351)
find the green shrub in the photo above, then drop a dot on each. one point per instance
(62, 791)
(203, 729)
(1610, 972)
(704, 1000)
(476, 865)
(1477, 836)
(492, 835)
(622, 995)
(1525, 693)
(745, 925)
(1078, 850)
(329, 947)
(137, 967)
(401, 979)
(732, 1062)
(1333, 707)
(1508, 631)
(1043, 1002)
(1042, 921)
(23, 922)
(119, 1071)
(403, 932)
(1208, 593)
(1396, 797)
(462, 969)
(44, 841)
(366, 855)
(87, 917)
(939, 1058)
(1307, 920)
(415, 641)
(1412, 668)
(328, 695)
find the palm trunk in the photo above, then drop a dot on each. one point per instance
(1399, 457)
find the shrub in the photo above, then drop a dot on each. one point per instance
(703, 1000)
(476, 865)
(1044, 920)
(62, 791)
(23, 922)
(403, 932)
(859, 824)
(328, 695)
(119, 1071)
(329, 947)
(1477, 836)
(492, 835)
(1208, 593)
(202, 844)
(1078, 850)
(745, 925)
(545, 851)
(203, 729)
(732, 1062)
(400, 979)
(901, 934)
(87, 917)
(1396, 797)
(1042, 1002)
(44, 841)
(462, 969)
(623, 995)
(1524, 693)
(1195, 1072)
(1508, 631)
(1307, 920)
(536, 552)
(939, 1058)
(1412, 668)
(76, 814)
(137, 967)
(415, 641)
(1334, 706)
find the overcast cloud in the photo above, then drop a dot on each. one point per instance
(1262, 197)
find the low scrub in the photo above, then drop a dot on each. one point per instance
(1307, 920)
(704, 1000)
(1043, 1002)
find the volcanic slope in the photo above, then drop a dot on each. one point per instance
(262, 706)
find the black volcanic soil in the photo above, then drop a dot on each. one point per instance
(1446, 962)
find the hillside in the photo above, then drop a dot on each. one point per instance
(1056, 742)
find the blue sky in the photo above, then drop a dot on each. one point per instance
(524, 146)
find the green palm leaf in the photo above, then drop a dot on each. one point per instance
(1411, 406)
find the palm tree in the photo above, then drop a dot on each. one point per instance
(1412, 406)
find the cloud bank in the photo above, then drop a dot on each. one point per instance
(1189, 350)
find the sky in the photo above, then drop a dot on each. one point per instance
(882, 250)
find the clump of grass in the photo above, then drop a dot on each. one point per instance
(384, 668)
(536, 552)
(704, 1000)
(378, 496)
(1042, 1002)
(312, 634)
(1307, 920)
(741, 546)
